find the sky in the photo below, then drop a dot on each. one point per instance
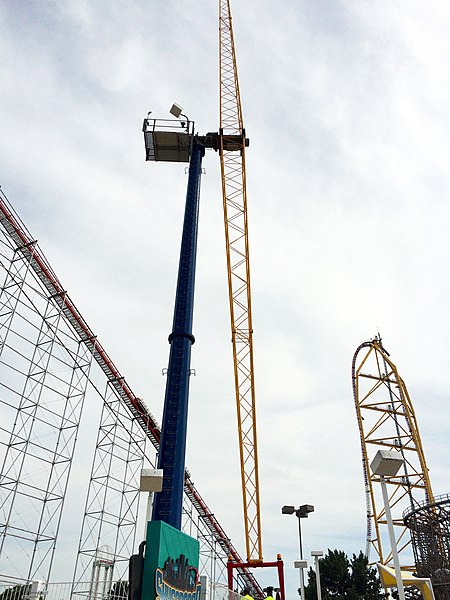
(346, 107)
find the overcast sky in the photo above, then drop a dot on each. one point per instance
(346, 104)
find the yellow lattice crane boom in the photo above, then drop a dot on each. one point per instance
(234, 195)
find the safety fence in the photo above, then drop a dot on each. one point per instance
(38, 590)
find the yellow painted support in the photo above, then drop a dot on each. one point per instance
(388, 580)
(387, 420)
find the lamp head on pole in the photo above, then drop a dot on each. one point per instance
(176, 110)
(151, 480)
(301, 512)
(304, 511)
(386, 463)
(288, 510)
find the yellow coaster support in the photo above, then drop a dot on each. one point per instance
(386, 420)
(388, 580)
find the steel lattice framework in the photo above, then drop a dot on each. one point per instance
(429, 524)
(43, 381)
(386, 420)
(111, 512)
(50, 360)
(234, 196)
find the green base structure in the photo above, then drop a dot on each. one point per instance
(170, 564)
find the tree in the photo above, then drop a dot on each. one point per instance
(344, 579)
(365, 580)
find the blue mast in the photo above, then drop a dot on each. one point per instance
(168, 503)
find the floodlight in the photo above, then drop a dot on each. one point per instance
(386, 463)
(176, 110)
(288, 510)
(151, 480)
(304, 510)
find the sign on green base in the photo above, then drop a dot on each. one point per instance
(170, 565)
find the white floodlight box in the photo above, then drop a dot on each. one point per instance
(386, 463)
(151, 480)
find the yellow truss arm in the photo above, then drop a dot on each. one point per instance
(236, 237)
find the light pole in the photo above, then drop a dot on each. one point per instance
(301, 564)
(151, 482)
(317, 554)
(387, 464)
(301, 513)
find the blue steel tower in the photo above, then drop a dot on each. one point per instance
(166, 142)
(171, 458)
(179, 144)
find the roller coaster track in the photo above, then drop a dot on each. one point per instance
(28, 247)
